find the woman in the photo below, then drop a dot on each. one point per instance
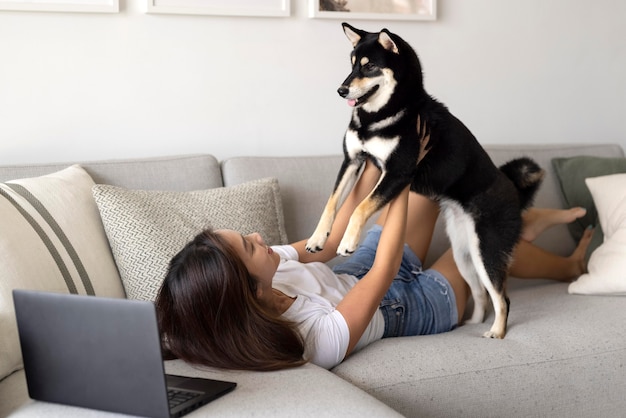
(230, 301)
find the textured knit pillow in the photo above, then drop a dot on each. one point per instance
(51, 239)
(147, 228)
(607, 265)
(571, 174)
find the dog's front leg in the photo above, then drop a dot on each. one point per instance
(352, 236)
(385, 190)
(346, 179)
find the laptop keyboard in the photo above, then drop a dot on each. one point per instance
(177, 397)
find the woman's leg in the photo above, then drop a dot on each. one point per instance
(530, 261)
(537, 220)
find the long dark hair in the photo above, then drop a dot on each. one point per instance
(208, 313)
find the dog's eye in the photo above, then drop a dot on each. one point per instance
(369, 68)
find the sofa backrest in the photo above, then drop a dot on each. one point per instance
(306, 183)
(181, 173)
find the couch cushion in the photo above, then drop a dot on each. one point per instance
(177, 172)
(607, 265)
(13, 392)
(147, 228)
(563, 356)
(571, 174)
(51, 239)
(307, 391)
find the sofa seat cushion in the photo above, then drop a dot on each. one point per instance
(13, 392)
(147, 228)
(558, 351)
(51, 239)
(307, 391)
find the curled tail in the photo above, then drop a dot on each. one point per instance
(527, 176)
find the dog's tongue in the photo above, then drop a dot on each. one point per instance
(351, 102)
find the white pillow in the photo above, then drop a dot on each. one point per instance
(607, 264)
(147, 228)
(51, 239)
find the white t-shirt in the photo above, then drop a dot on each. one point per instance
(318, 290)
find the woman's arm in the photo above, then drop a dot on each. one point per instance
(362, 188)
(362, 301)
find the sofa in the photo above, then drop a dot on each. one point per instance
(564, 354)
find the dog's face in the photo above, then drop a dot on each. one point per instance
(372, 80)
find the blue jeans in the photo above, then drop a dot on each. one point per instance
(418, 302)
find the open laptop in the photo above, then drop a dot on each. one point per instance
(102, 353)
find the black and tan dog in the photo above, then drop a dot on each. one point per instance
(414, 139)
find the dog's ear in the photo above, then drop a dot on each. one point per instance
(384, 38)
(354, 35)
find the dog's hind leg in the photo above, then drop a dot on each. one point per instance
(493, 276)
(479, 294)
(346, 179)
(501, 306)
(465, 248)
(496, 291)
(472, 268)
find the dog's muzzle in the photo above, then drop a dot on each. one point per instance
(343, 91)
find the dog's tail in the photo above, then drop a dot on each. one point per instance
(527, 176)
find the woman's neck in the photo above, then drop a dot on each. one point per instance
(281, 302)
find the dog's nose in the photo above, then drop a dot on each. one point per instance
(343, 91)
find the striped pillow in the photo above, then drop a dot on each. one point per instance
(51, 239)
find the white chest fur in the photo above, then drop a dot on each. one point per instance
(376, 146)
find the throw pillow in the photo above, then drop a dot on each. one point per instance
(147, 228)
(51, 239)
(571, 174)
(607, 265)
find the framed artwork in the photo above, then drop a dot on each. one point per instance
(374, 9)
(221, 7)
(94, 6)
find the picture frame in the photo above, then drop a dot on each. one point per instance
(264, 8)
(82, 6)
(379, 10)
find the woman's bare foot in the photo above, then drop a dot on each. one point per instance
(537, 220)
(577, 258)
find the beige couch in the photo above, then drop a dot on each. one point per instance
(564, 354)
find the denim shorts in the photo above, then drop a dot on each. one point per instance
(418, 302)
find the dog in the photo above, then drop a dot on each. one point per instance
(413, 139)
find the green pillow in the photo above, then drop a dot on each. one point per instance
(571, 174)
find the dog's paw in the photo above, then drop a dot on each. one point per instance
(347, 246)
(493, 335)
(316, 242)
(344, 251)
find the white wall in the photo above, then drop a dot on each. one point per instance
(89, 86)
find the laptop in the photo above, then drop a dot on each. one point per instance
(102, 353)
